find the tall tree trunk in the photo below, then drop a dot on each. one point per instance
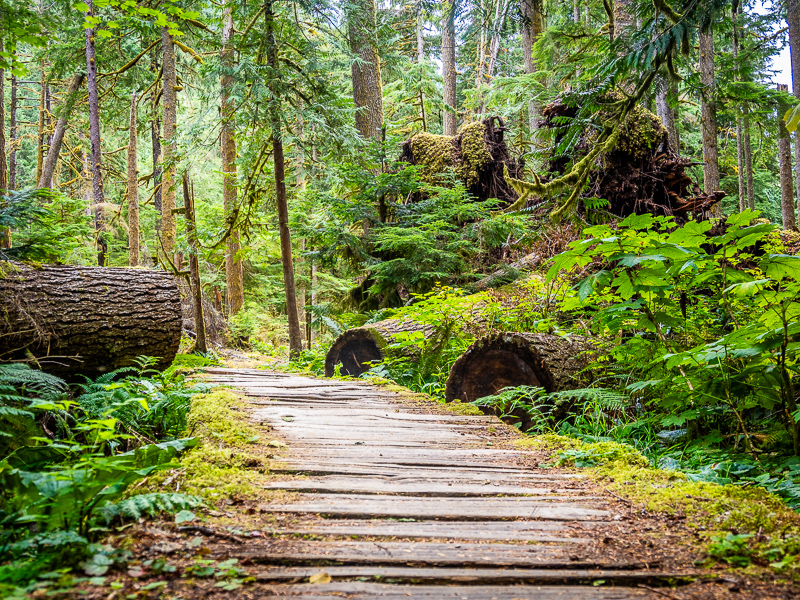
(40, 130)
(748, 160)
(366, 71)
(200, 344)
(481, 58)
(233, 263)
(94, 136)
(133, 189)
(48, 115)
(576, 11)
(420, 27)
(793, 20)
(785, 163)
(310, 312)
(155, 137)
(295, 335)
(532, 26)
(666, 113)
(12, 160)
(46, 178)
(168, 189)
(742, 179)
(450, 118)
(494, 44)
(709, 115)
(5, 234)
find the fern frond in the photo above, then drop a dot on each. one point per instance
(149, 504)
(603, 399)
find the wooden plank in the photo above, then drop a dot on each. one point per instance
(309, 467)
(535, 531)
(490, 509)
(408, 486)
(476, 576)
(426, 554)
(368, 591)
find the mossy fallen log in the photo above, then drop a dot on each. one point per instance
(72, 321)
(477, 156)
(357, 348)
(505, 360)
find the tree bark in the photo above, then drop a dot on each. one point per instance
(709, 114)
(356, 347)
(155, 137)
(785, 164)
(88, 320)
(494, 44)
(133, 189)
(40, 129)
(200, 344)
(666, 113)
(295, 335)
(748, 161)
(5, 234)
(450, 117)
(168, 187)
(234, 277)
(532, 27)
(366, 69)
(46, 178)
(94, 136)
(793, 20)
(420, 30)
(12, 159)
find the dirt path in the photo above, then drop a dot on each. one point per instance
(399, 500)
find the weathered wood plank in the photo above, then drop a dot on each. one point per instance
(476, 576)
(490, 509)
(452, 530)
(291, 465)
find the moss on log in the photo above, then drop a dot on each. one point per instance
(476, 156)
(72, 321)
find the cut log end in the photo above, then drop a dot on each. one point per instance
(515, 359)
(355, 350)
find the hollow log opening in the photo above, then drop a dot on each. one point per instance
(354, 350)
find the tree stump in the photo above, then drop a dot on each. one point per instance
(72, 321)
(514, 359)
(357, 347)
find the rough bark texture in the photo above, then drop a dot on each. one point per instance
(357, 347)
(366, 71)
(748, 161)
(709, 112)
(12, 159)
(3, 160)
(234, 277)
(420, 30)
(54, 150)
(88, 320)
(532, 26)
(168, 187)
(785, 163)
(295, 335)
(94, 136)
(155, 137)
(133, 189)
(739, 129)
(666, 113)
(477, 155)
(793, 20)
(449, 118)
(514, 359)
(200, 344)
(40, 130)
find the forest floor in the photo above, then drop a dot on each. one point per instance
(376, 493)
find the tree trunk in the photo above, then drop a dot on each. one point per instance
(12, 159)
(748, 160)
(494, 44)
(709, 115)
(46, 178)
(200, 344)
(514, 359)
(94, 136)
(40, 129)
(233, 263)
(5, 234)
(532, 27)
(88, 320)
(168, 188)
(666, 113)
(133, 189)
(481, 59)
(793, 20)
(785, 163)
(366, 71)
(356, 347)
(155, 137)
(310, 314)
(449, 118)
(295, 335)
(420, 30)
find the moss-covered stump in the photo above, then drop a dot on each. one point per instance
(516, 359)
(476, 156)
(356, 350)
(642, 174)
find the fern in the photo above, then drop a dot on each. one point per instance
(17, 379)
(600, 398)
(149, 504)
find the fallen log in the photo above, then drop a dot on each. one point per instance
(72, 321)
(515, 359)
(356, 348)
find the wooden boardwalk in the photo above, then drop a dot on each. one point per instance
(395, 500)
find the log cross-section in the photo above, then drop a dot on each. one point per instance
(74, 321)
(515, 359)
